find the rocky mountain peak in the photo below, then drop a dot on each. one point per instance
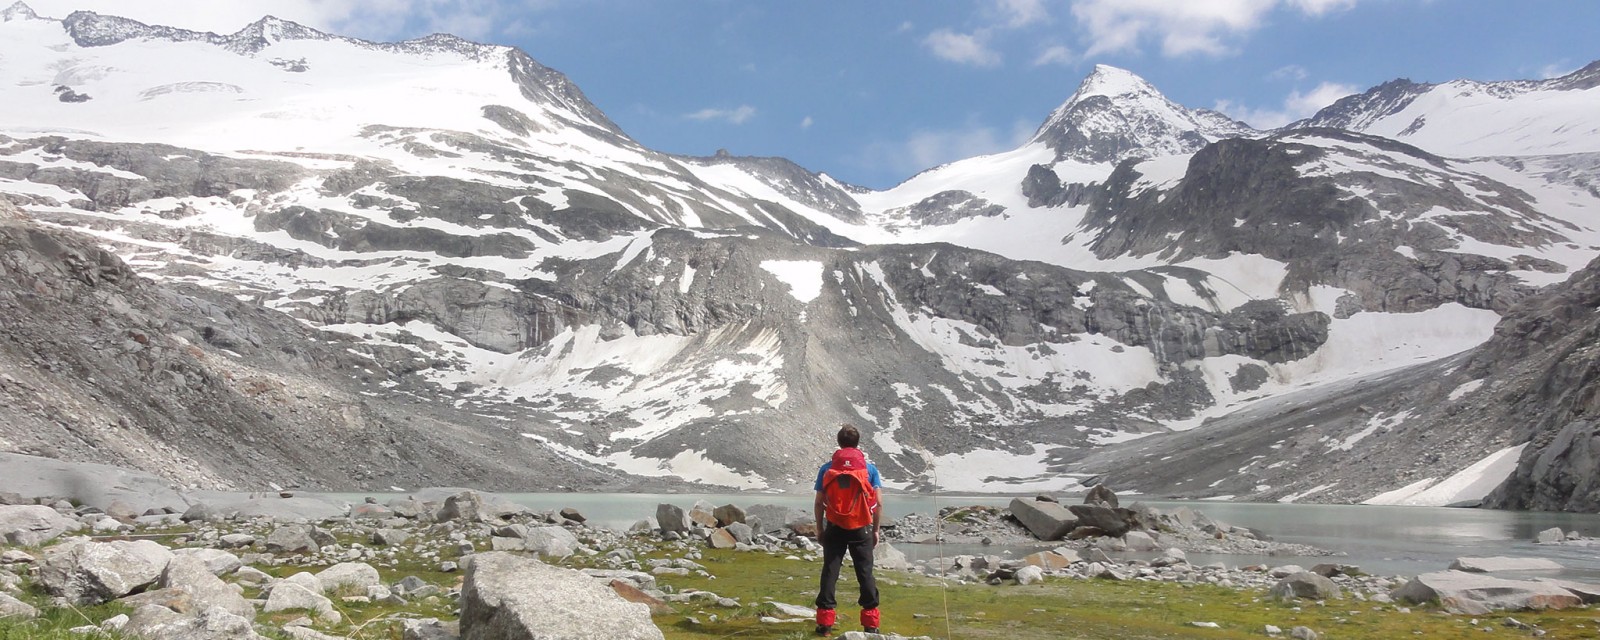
(1586, 78)
(273, 29)
(18, 11)
(1356, 112)
(90, 29)
(1115, 115)
(1112, 82)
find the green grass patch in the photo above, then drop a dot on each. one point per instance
(1063, 608)
(54, 623)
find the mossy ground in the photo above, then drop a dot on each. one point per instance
(1065, 608)
(916, 605)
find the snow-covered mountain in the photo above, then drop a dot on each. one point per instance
(496, 255)
(1115, 115)
(1466, 118)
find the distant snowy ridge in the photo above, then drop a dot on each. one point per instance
(1467, 118)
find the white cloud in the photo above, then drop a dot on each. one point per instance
(1055, 55)
(929, 148)
(965, 48)
(1296, 106)
(1556, 70)
(1290, 72)
(807, 122)
(1188, 27)
(738, 115)
(1319, 7)
(1015, 14)
(372, 19)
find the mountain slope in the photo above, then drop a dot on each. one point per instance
(1466, 118)
(542, 288)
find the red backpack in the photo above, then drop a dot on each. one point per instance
(848, 496)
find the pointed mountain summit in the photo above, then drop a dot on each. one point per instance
(1115, 115)
(18, 11)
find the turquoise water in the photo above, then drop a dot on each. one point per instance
(1381, 540)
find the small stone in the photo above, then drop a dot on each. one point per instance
(1303, 633)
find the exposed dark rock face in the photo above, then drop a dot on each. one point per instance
(1550, 395)
(1354, 112)
(166, 171)
(103, 365)
(948, 207)
(1536, 381)
(340, 231)
(1254, 196)
(1043, 188)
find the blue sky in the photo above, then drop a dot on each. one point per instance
(872, 92)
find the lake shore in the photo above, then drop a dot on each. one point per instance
(701, 576)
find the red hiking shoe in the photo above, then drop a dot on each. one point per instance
(825, 620)
(869, 620)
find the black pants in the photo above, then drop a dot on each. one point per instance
(835, 542)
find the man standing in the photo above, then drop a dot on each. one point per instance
(848, 509)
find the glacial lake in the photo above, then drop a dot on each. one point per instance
(1382, 540)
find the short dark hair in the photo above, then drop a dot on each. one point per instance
(849, 436)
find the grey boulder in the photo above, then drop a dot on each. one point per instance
(551, 542)
(289, 596)
(13, 608)
(1113, 521)
(888, 558)
(1304, 585)
(33, 525)
(202, 590)
(1503, 563)
(671, 519)
(1476, 594)
(352, 576)
(297, 538)
(510, 597)
(155, 622)
(217, 561)
(1045, 520)
(86, 572)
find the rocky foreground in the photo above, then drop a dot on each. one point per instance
(462, 564)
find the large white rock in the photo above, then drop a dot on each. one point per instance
(13, 608)
(888, 558)
(551, 542)
(511, 597)
(219, 562)
(1304, 584)
(357, 576)
(191, 576)
(31, 525)
(1503, 563)
(1477, 594)
(1139, 541)
(88, 572)
(289, 596)
(155, 622)
(1045, 520)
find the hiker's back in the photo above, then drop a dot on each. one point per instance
(848, 495)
